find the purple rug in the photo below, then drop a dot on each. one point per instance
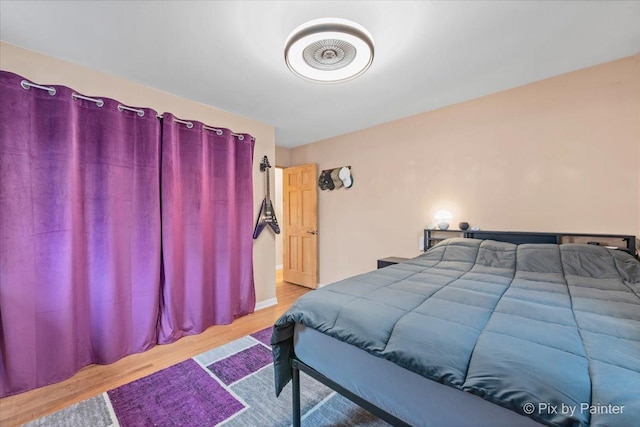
(264, 336)
(230, 386)
(186, 394)
(181, 395)
(241, 364)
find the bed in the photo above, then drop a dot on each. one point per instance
(476, 332)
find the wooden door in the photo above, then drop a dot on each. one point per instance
(300, 235)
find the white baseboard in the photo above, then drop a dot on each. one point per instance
(320, 285)
(266, 303)
(279, 267)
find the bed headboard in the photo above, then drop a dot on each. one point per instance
(620, 241)
(516, 237)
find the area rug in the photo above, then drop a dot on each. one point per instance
(230, 385)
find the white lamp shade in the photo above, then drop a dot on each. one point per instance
(443, 215)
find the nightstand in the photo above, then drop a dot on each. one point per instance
(392, 260)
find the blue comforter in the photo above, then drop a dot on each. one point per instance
(548, 331)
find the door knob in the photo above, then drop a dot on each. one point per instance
(313, 232)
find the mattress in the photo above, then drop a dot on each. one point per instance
(400, 392)
(550, 331)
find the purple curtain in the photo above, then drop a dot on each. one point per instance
(207, 226)
(79, 234)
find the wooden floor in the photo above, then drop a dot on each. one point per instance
(96, 379)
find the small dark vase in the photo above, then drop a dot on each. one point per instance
(463, 225)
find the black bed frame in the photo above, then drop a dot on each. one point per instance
(517, 237)
(298, 366)
(520, 237)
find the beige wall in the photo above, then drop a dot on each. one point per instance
(561, 154)
(46, 70)
(277, 206)
(283, 160)
(283, 157)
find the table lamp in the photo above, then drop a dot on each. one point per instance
(443, 217)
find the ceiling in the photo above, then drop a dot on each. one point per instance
(229, 54)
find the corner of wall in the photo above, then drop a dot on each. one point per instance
(283, 157)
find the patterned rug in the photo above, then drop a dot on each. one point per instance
(230, 385)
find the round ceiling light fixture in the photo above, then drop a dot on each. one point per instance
(329, 50)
